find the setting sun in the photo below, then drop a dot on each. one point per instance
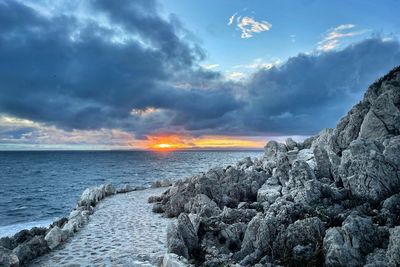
(163, 146)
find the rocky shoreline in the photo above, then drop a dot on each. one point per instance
(333, 200)
(27, 245)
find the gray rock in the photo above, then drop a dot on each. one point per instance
(182, 237)
(8, 258)
(391, 210)
(393, 251)
(290, 144)
(350, 244)
(161, 183)
(54, 237)
(377, 258)
(323, 163)
(173, 260)
(366, 172)
(272, 151)
(307, 155)
(203, 206)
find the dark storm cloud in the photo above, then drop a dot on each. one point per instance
(70, 73)
(310, 92)
(91, 73)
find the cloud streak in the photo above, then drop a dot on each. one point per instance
(248, 26)
(332, 39)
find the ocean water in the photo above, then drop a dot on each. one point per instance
(38, 186)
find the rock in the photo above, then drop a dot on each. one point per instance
(203, 206)
(126, 189)
(307, 155)
(8, 258)
(270, 191)
(182, 237)
(366, 172)
(377, 258)
(232, 236)
(54, 237)
(290, 144)
(32, 249)
(161, 183)
(301, 239)
(8, 243)
(109, 190)
(391, 210)
(158, 208)
(272, 151)
(323, 165)
(348, 245)
(173, 260)
(393, 251)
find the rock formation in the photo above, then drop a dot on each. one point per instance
(333, 200)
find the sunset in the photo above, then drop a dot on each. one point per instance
(182, 133)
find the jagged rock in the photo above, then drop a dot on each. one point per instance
(304, 235)
(173, 260)
(393, 250)
(307, 155)
(203, 206)
(245, 163)
(348, 245)
(8, 242)
(126, 189)
(272, 151)
(161, 183)
(8, 258)
(54, 237)
(233, 235)
(349, 127)
(323, 164)
(269, 192)
(32, 249)
(366, 172)
(182, 237)
(391, 210)
(290, 144)
(300, 173)
(377, 258)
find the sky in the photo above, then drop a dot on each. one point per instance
(185, 74)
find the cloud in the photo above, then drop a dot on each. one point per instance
(125, 70)
(333, 36)
(309, 92)
(248, 25)
(231, 19)
(91, 81)
(258, 63)
(211, 66)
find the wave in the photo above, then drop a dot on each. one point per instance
(9, 230)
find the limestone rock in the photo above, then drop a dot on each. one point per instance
(54, 237)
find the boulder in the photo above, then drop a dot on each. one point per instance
(182, 237)
(290, 144)
(367, 173)
(173, 260)
(54, 237)
(8, 258)
(350, 244)
(161, 183)
(393, 250)
(307, 155)
(203, 206)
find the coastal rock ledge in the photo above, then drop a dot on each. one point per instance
(26, 245)
(332, 200)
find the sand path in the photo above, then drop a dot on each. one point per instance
(123, 231)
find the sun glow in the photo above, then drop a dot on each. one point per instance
(168, 142)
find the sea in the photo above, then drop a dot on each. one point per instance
(38, 186)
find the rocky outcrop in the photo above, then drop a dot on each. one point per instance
(332, 200)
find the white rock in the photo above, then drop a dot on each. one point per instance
(54, 237)
(173, 260)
